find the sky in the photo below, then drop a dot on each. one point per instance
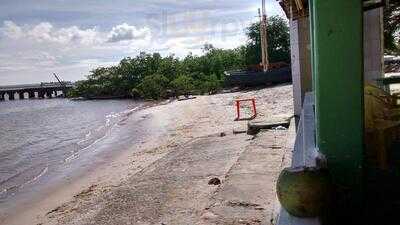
(72, 37)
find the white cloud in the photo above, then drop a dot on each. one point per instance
(126, 32)
(75, 36)
(45, 32)
(12, 30)
(71, 35)
(37, 50)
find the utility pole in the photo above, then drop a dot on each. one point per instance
(264, 39)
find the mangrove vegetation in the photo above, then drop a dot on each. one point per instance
(152, 76)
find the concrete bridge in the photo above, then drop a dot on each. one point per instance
(28, 91)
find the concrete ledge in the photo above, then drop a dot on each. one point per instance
(255, 126)
(300, 152)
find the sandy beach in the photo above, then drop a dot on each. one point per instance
(164, 179)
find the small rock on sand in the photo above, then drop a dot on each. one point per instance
(214, 181)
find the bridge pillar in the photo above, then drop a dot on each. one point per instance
(62, 91)
(41, 94)
(10, 95)
(21, 95)
(31, 94)
(48, 93)
(1, 96)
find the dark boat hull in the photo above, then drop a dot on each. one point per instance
(251, 78)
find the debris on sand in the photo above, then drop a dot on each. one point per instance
(86, 192)
(239, 131)
(242, 204)
(71, 206)
(183, 98)
(214, 181)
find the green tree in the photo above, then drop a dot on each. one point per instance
(150, 75)
(278, 41)
(182, 85)
(153, 87)
(392, 27)
(210, 84)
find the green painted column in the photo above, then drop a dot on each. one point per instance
(337, 39)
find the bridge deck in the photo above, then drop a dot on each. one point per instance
(35, 86)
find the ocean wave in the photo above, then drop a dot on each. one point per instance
(49, 132)
(101, 132)
(35, 178)
(14, 187)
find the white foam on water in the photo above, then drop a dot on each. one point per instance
(35, 178)
(72, 131)
(43, 172)
(108, 124)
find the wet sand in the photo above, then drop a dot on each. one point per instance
(164, 178)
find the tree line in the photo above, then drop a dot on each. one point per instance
(152, 76)
(391, 24)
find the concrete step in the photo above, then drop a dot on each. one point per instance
(255, 126)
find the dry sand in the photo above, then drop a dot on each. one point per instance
(164, 180)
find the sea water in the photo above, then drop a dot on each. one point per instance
(41, 140)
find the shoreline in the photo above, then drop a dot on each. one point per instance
(184, 125)
(98, 176)
(62, 188)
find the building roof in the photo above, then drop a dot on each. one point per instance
(294, 8)
(299, 8)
